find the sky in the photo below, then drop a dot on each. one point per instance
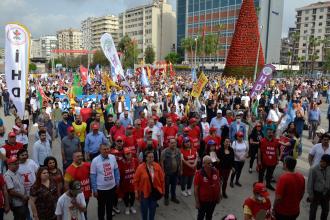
(45, 17)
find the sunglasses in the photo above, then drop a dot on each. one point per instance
(119, 141)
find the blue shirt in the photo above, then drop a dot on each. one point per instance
(126, 121)
(218, 124)
(62, 128)
(93, 142)
(314, 115)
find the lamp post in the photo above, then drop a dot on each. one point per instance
(195, 52)
(257, 60)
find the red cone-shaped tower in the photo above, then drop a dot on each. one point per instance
(242, 56)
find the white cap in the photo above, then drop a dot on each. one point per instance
(219, 111)
(320, 131)
(203, 116)
(240, 113)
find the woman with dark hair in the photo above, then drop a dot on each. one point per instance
(289, 142)
(226, 157)
(43, 196)
(254, 141)
(54, 172)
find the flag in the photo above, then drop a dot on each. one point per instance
(43, 99)
(129, 73)
(97, 73)
(144, 78)
(149, 72)
(109, 83)
(172, 72)
(255, 106)
(198, 87)
(17, 52)
(193, 75)
(83, 74)
(113, 74)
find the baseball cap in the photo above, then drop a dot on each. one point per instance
(186, 139)
(213, 129)
(127, 150)
(11, 160)
(186, 129)
(239, 134)
(95, 126)
(149, 131)
(211, 142)
(219, 111)
(192, 120)
(11, 134)
(70, 129)
(320, 131)
(240, 113)
(260, 189)
(129, 127)
(119, 138)
(204, 116)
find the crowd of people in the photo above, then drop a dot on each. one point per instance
(140, 145)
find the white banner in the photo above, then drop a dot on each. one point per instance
(109, 50)
(17, 52)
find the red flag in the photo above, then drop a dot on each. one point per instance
(172, 72)
(83, 74)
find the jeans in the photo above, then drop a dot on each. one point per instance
(321, 200)
(6, 108)
(148, 208)
(206, 210)
(129, 198)
(285, 217)
(269, 174)
(105, 203)
(238, 166)
(312, 129)
(224, 175)
(253, 153)
(21, 212)
(170, 179)
(186, 181)
(2, 211)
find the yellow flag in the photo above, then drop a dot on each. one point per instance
(198, 87)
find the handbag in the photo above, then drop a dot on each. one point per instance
(154, 194)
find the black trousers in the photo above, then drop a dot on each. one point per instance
(253, 151)
(238, 166)
(323, 201)
(269, 173)
(105, 203)
(206, 210)
(129, 199)
(21, 212)
(170, 180)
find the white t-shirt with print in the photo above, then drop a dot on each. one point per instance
(65, 209)
(27, 173)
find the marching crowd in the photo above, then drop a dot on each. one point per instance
(139, 147)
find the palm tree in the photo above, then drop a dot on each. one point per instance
(188, 44)
(313, 43)
(295, 39)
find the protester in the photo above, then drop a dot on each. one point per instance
(290, 189)
(12, 146)
(149, 182)
(69, 144)
(318, 188)
(41, 149)
(207, 189)
(254, 144)
(54, 173)
(93, 141)
(226, 157)
(43, 196)
(80, 131)
(318, 150)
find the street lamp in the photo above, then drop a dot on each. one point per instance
(257, 60)
(195, 52)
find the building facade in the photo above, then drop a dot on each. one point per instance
(287, 48)
(35, 50)
(69, 39)
(2, 53)
(312, 21)
(101, 25)
(150, 25)
(86, 30)
(197, 16)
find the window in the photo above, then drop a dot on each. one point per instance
(320, 30)
(305, 31)
(306, 25)
(321, 9)
(321, 17)
(307, 11)
(320, 23)
(306, 19)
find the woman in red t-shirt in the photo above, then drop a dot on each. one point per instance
(189, 162)
(127, 170)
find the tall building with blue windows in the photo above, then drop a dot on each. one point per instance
(194, 16)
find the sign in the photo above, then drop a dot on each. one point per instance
(109, 50)
(264, 76)
(198, 87)
(17, 51)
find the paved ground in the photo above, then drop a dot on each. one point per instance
(186, 208)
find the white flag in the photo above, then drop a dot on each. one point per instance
(17, 51)
(109, 50)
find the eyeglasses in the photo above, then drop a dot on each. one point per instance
(119, 141)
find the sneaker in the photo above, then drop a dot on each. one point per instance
(126, 211)
(166, 202)
(189, 192)
(175, 200)
(133, 210)
(238, 184)
(184, 193)
(116, 210)
(250, 170)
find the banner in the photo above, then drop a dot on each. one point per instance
(17, 52)
(109, 50)
(198, 87)
(264, 76)
(83, 74)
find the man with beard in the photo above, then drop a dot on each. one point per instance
(97, 121)
(63, 125)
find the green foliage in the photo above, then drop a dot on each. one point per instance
(149, 55)
(130, 51)
(172, 57)
(100, 58)
(32, 67)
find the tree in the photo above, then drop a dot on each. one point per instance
(172, 57)
(149, 55)
(313, 43)
(32, 67)
(188, 44)
(100, 58)
(130, 51)
(292, 54)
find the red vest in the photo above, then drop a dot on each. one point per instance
(127, 171)
(11, 150)
(169, 132)
(82, 174)
(256, 207)
(209, 187)
(190, 156)
(268, 149)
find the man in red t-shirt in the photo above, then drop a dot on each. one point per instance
(213, 136)
(207, 189)
(130, 141)
(173, 115)
(268, 157)
(194, 133)
(117, 130)
(79, 171)
(289, 192)
(85, 112)
(170, 131)
(12, 147)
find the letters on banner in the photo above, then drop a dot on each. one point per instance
(264, 76)
(198, 87)
(17, 51)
